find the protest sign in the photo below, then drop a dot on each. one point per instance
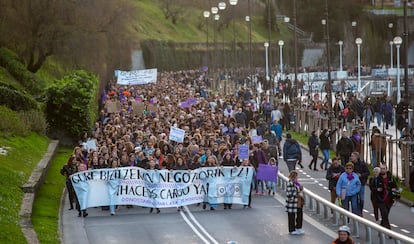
(162, 188)
(176, 134)
(113, 107)
(267, 172)
(243, 152)
(138, 107)
(256, 139)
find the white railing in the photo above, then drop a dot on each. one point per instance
(324, 207)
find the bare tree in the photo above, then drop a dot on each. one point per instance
(173, 9)
(79, 32)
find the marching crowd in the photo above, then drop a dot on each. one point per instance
(217, 124)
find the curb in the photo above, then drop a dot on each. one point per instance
(30, 189)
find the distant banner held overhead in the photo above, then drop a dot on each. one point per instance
(137, 77)
(162, 188)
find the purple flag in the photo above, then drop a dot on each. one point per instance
(185, 105)
(267, 172)
(103, 95)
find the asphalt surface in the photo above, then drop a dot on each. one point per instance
(266, 222)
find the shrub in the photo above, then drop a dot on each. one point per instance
(15, 99)
(72, 104)
(10, 123)
(17, 69)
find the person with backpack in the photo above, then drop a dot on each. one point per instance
(292, 153)
(344, 147)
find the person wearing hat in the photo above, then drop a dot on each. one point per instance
(344, 236)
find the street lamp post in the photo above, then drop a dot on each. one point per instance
(358, 42)
(216, 18)
(281, 43)
(391, 56)
(206, 16)
(328, 58)
(340, 43)
(266, 45)
(250, 43)
(222, 6)
(397, 41)
(295, 43)
(234, 3)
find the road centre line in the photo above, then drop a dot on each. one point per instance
(193, 228)
(187, 210)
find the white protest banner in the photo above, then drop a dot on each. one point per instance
(162, 188)
(137, 77)
(176, 134)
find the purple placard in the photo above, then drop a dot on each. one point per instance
(267, 172)
(256, 139)
(243, 152)
(192, 100)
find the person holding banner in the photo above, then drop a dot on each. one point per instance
(271, 184)
(258, 158)
(228, 161)
(152, 165)
(292, 153)
(294, 204)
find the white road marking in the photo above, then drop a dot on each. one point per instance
(187, 210)
(405, 231)
(193, 228)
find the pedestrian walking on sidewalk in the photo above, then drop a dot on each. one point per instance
(348, 187)
(325, 146)
(313, 144)
(292, 153)
(332, 175)
(294, 204)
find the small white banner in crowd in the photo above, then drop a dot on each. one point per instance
(137, 77)
(176, 134)
(162, 188)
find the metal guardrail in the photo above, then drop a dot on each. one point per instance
(324, 207)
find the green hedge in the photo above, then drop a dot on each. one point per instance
(17, 69)
(15, 99)
(72, 104)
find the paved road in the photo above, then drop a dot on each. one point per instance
(266, 222)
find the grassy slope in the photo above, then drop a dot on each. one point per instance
(46, 207)
(15, 169)
(151, 24)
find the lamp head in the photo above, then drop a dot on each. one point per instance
(216, 17)
(340, 43)
(397, 40)
(281, 43)
(233, 2)
(222, 5)
(266, 44)
(247, 18)
(358, 41)
(214, 10)
(206, 14)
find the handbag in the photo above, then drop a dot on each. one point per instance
(301, 200)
